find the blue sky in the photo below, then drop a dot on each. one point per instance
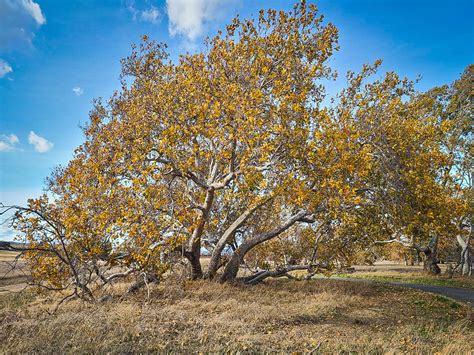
(56, 56)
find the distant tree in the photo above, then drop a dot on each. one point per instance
(421, 173)
(457, 101)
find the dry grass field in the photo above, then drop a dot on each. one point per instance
(280, 315)
(286, 316)
(11, 279)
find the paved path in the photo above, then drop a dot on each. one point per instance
(464, 295)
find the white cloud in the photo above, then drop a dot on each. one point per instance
(19, 19)
(78, 90)
(34, 10)
(41, 144)
(7, 143)
(187, 17)
(13, 139)
(151, 14)
(5, 68)
(5, 147)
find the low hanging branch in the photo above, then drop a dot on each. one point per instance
(278, 272)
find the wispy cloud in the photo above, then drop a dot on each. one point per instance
(34, 10)
(5, 68)
(19, 20)
(13, 139)
(8, 142)
(188, 17)
(41, 144)
(150, 14)
(78, 90)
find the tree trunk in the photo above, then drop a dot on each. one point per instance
(226, 238)
(431, 262)
(232, 267)
(467, 265)
(194, 253)
(215, 261)
(418, 258)
(466, 258)
(196, 269)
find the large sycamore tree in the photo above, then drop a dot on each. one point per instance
(227, 137)
(235, 152)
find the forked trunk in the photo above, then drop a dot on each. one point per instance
(215, 262)
(232, 267)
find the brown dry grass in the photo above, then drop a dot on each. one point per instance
(12, 278)
(7, 255)
(283, 316)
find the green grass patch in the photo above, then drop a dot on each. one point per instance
(415, 279)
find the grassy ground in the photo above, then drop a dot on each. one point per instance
(412, 277)
(281, 315)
